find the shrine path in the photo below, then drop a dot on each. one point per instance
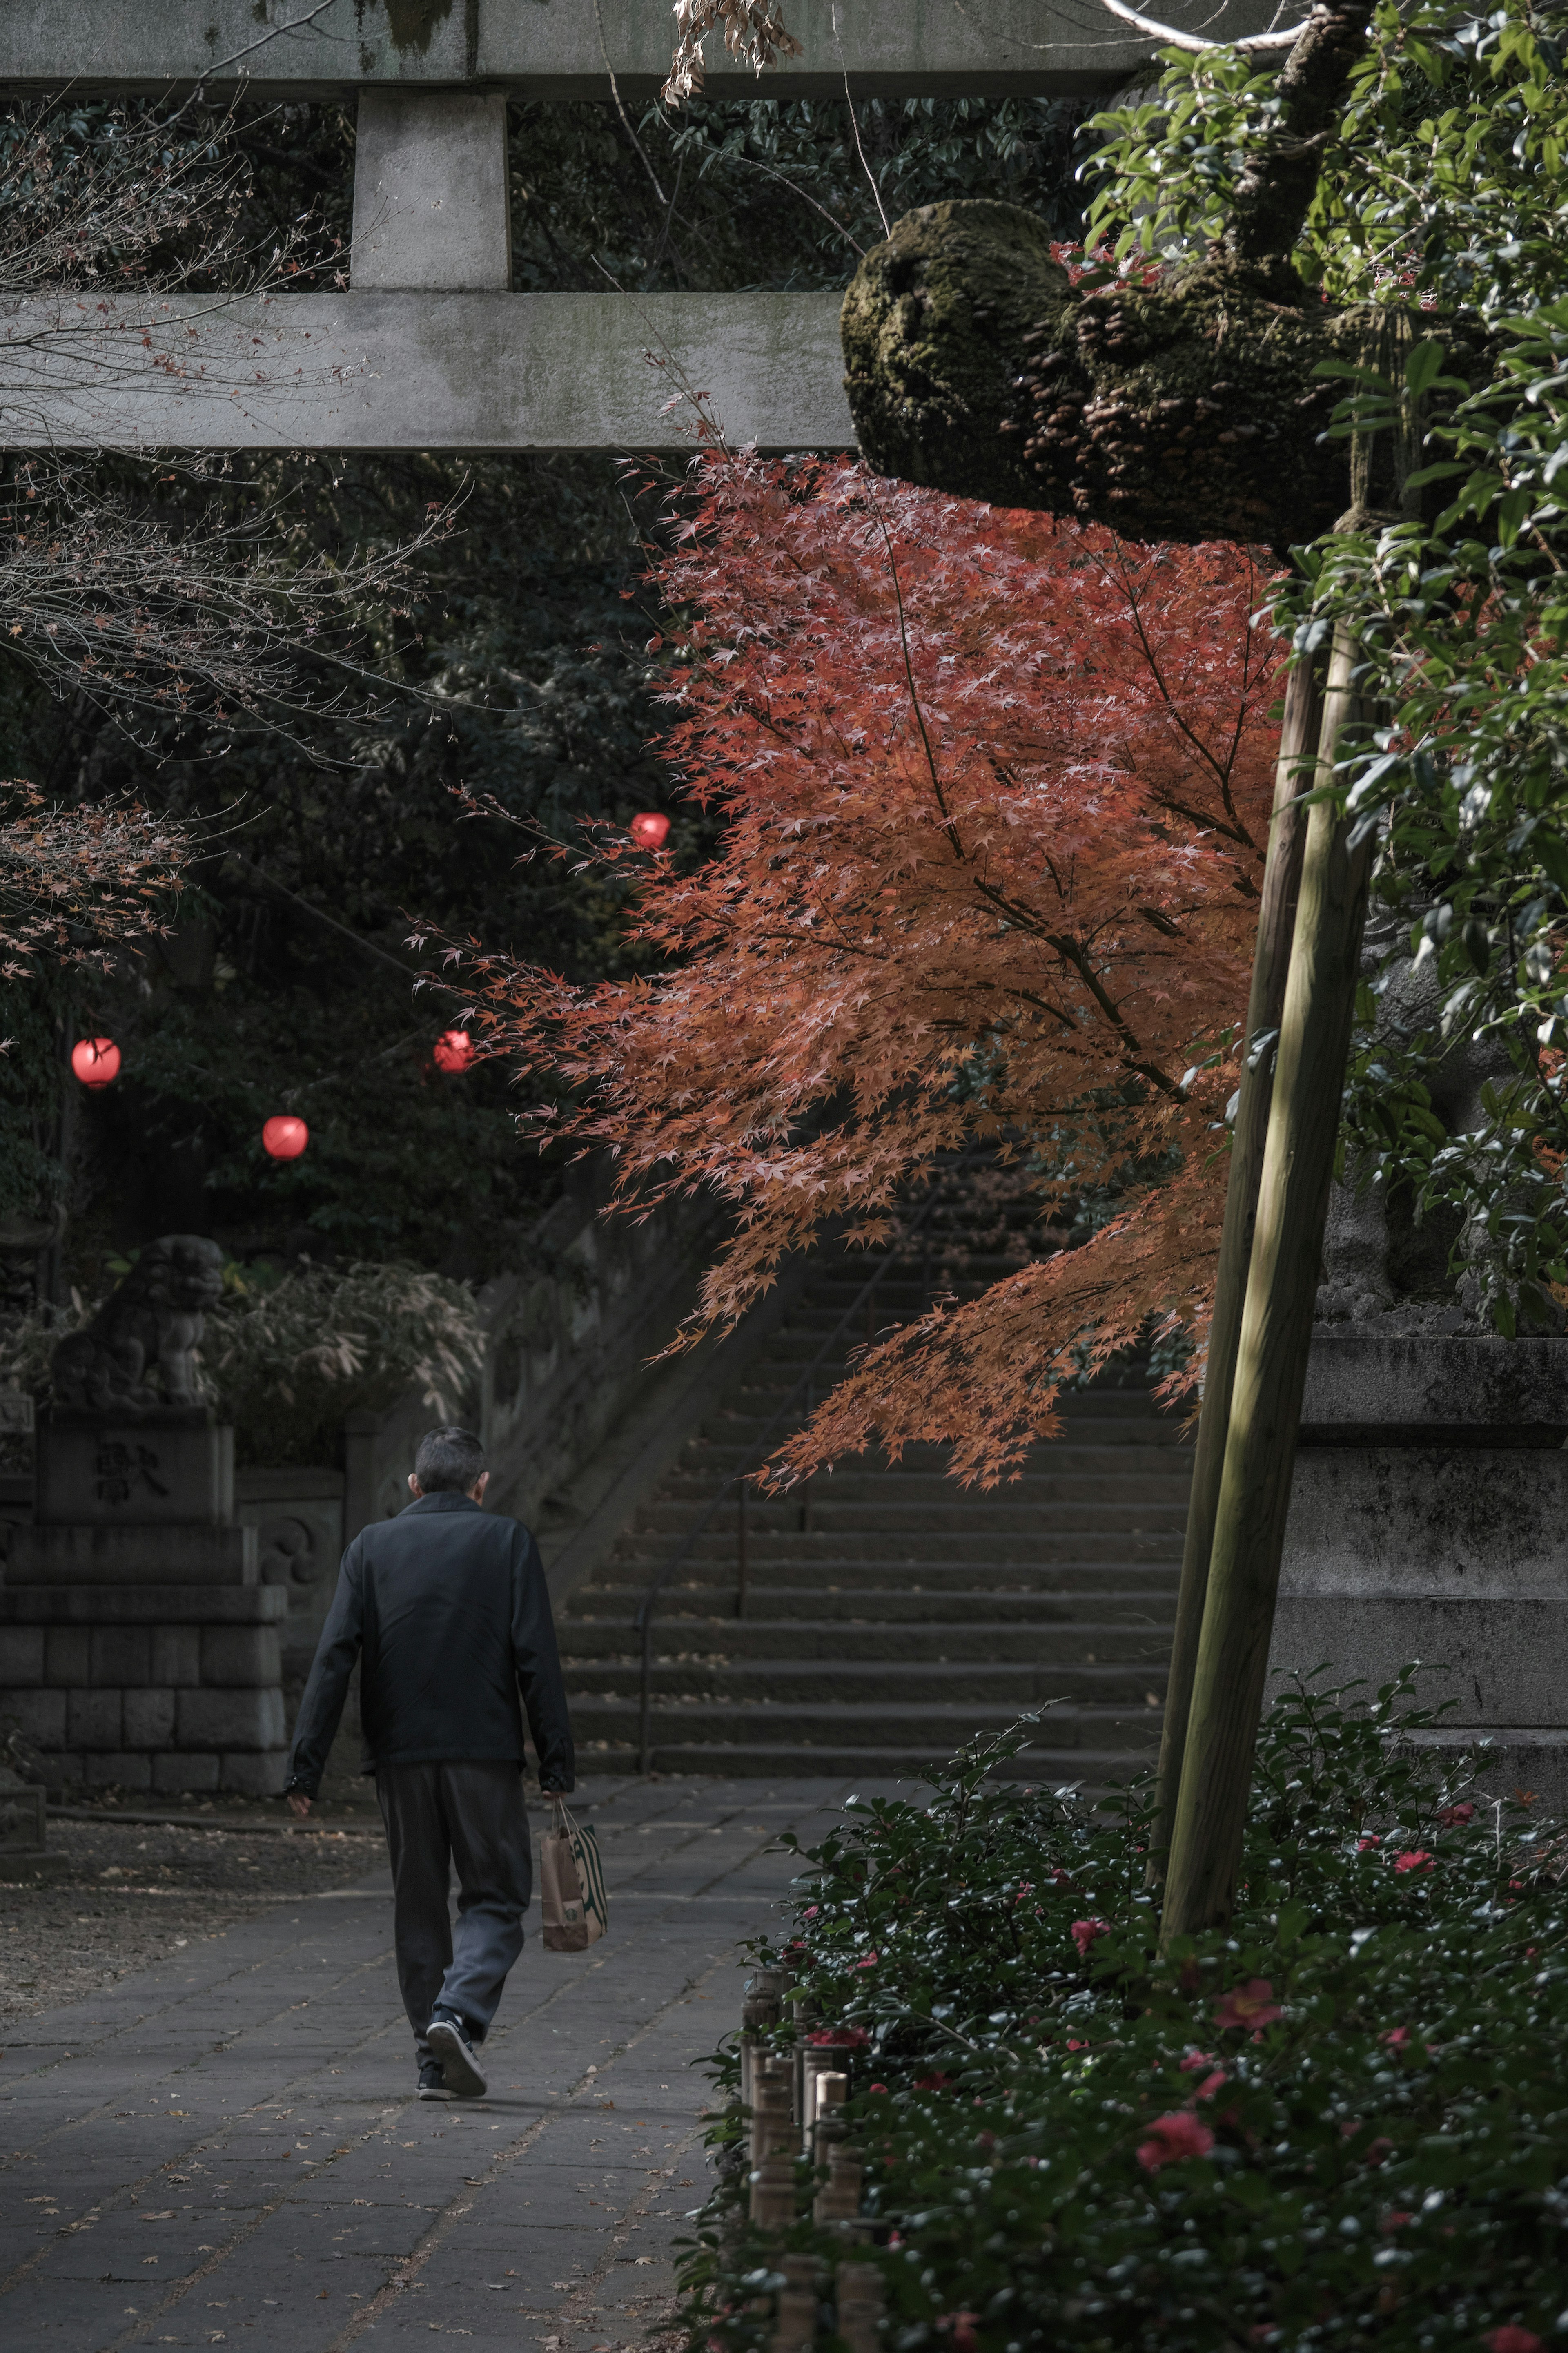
(224, 2148)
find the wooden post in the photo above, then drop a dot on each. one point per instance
(861, 2298)
(794, 2329)
(1271, 1360)
(1275, 922)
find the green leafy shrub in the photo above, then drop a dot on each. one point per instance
(288, 1363)
(1345, 2121)
(285, 1361)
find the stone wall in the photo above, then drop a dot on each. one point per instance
(1429, 1512)
(1429, 1520)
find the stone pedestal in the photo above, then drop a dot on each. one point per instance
(173, 1466)
(1429, 1520)
(138, 1648)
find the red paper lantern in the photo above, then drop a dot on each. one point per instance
(285, 1138)
(454, 1051)
(650, 828)
(96, 1061)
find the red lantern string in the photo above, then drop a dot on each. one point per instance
(454, 1051)
(285, 1136)
(650, 829)
(96, 1061)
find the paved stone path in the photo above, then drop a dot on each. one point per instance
(225, 2149)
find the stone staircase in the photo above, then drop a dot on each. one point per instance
(890, 1614)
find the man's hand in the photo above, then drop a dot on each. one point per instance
(299, 1804)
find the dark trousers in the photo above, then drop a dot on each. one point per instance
(467, 1814)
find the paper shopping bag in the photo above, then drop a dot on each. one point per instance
(572, 1900)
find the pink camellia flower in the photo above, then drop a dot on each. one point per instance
(839, 2038)
(1417, 1859)
(1211, 2084)
(875, 2087)
(1397, 2037)
(1367, 1845)
(1453, 1818)
(1076, 2046)
(937, 2082)
(1513, 2340)
(1195, 2060)
(1060, 1878)
(1084, 1932)
(1172, 2139)
(1252, 2004)
(962, 2327)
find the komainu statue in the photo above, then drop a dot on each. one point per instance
(138, 1350)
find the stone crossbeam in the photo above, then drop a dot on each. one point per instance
(379, 370)
(553, 48)
(428, 349)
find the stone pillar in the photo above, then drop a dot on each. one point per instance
(1430, 1514)
(431, 210)
(138, 1647)
(1429, 1520)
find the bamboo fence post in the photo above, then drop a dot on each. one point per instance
(1275, 922)
(1271, 1360)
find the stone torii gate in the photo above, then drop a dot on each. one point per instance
(428, 348)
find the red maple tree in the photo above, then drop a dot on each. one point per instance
(993, 797)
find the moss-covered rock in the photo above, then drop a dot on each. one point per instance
(1185, 410)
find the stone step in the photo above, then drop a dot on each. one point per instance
(944, 1585)
(1132, 1605)
(892, 1614)
(747, 1683)
(1090, 1772)
(805, 1548)
(721, 1455)
(723, 1641)
(894, 1512)
(1063, 1500)
(744, 1419)
(925, 1728)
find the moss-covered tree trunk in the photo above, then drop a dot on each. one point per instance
(1186, 409)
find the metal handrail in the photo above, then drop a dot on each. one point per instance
(643, 1623)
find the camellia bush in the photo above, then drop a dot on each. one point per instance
(1345, 2120)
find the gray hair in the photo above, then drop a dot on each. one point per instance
(450, 1461)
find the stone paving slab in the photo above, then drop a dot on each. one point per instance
(225, 2149)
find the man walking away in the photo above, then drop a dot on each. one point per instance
(448, 1605)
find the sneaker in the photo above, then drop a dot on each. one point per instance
(433, 2081)
(451, 2047)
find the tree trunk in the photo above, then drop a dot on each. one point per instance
(1275, 922)
(1185, 410)
(1271, 1361)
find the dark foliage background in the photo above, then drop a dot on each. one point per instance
(287, 984)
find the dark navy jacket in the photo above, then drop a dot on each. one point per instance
(449, 1607)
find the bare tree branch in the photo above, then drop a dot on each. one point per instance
(1156, 31)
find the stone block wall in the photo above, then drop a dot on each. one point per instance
(146, 1687)
(139, 1648)
(1429, 1521)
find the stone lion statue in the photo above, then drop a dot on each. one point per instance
(137, 1352)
